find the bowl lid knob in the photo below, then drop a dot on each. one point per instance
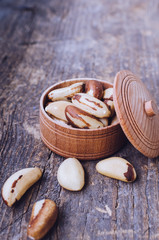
(151, 108)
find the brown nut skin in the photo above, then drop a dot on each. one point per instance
(94, 88)
(91, 105)
(43, 221)
(78, 118)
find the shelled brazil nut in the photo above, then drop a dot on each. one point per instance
(71, 175)
(65, 93)
(91, 105)
(18, 183)
(57, 109)
(94, 89)
(118, 168)
(82, 105)
(43, 217)
(108, 99)
(79, 118)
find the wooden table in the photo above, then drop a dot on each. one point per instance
(43, 42)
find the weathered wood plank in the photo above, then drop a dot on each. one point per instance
(48, 41)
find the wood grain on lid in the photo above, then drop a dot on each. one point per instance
(140, 127)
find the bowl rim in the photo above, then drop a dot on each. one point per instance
(68, 127)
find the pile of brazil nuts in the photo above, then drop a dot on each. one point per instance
(82, 105)
(70, 176)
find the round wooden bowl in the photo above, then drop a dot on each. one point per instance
(84, 144)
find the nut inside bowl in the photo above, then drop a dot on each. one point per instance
(83, 144)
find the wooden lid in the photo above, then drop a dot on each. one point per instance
(137, 112)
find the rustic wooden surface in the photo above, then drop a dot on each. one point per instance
(43, 42)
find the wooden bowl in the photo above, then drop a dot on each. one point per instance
(84, 144)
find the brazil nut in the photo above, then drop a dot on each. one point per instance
(57, 109)
(104, 121)
(118, 168)
(91, 105)
(80, 119)
(108, 99)
(114, 120)
(66, 92)
(70, 175)
(18, 183)
(43, 217)
(94, 88)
